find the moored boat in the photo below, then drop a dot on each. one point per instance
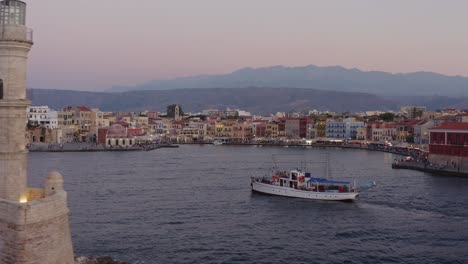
(217, 142)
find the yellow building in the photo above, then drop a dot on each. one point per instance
(272, 130)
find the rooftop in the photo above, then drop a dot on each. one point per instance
(453, 126)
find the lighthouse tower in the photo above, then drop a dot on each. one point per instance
(33, 222)
(15, 43)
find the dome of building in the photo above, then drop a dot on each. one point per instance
(54, 176)
(116, 131)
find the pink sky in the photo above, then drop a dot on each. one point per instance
(93, 45)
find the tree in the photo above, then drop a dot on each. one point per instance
(387, 117)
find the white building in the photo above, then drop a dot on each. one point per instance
(42, 116)
(345, 129)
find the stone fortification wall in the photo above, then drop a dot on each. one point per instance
(36, 232)
(453, 163)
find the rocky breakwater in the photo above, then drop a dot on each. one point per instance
(98, 260)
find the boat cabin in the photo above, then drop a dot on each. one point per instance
(300, 180)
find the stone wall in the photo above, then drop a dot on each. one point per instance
(36, 232)
(453, 163)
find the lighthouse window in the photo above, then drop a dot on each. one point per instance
(1, 89)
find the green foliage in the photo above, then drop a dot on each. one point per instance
(387, 117)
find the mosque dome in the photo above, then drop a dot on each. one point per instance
(117, 131)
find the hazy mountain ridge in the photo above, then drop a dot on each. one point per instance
(254, 99)
(333, 78)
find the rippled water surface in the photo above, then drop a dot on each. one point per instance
(194, 205)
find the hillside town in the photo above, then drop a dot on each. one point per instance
(73, 124)
(439, 138)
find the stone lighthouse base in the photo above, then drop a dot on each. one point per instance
(36, 232)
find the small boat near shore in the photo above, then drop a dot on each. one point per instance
(300, 184)
(217, 142)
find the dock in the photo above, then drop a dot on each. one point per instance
(85, 147)
(425, 168)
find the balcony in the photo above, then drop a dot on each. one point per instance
(16, 33)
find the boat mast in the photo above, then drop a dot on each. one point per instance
(327, 165)
(275, 163)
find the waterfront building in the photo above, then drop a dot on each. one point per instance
(345, 129)
(291, 128)
(449, 146)
(63, 135)
(336, 129)
(260, 128)
(272, 130)
(42, 116)
(242, 132)
(224, 128)
(65, 119)
(361, 133)
(405, 130)
(117, 136)
(39, 135)
(321, 127)
(421, 132)
(194, 131)
(84, 120)
(295, 127)
(381, 131)
(311, 131)
(34, 224)
(281, 129)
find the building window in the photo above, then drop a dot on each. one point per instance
(1, 89)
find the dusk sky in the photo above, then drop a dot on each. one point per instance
(93, 45)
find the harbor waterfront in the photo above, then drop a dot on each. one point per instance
(194, 205)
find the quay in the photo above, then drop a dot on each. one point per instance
(419, 166)
(85, 147)
(404, 151)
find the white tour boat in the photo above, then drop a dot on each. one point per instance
(299, 184)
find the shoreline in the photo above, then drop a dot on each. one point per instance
(401, 151)
(406, 152)
(102, 149)
(423, 168)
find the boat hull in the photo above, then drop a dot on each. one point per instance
(290, 192)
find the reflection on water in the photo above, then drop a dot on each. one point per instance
(194, 205)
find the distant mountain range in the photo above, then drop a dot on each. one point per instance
(254, 99)
(334, 78)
